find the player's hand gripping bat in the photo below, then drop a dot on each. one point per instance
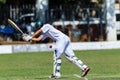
(26, 37)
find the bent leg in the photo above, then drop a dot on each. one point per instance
(71, 57)
(76, 61)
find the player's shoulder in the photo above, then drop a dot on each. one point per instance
(47, 25)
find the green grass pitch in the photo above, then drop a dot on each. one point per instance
(104, 64)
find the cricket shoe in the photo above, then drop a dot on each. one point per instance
(54, 77)
(84, 73)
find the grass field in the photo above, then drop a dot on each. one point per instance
(104, 65)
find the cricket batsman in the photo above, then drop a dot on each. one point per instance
(62, 46)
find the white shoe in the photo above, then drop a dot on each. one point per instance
(84, 73)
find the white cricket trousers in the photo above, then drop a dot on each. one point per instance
(63, 46)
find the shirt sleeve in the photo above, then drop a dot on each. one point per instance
(43, 36)
(45, 28)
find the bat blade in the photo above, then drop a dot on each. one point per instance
(14, 26)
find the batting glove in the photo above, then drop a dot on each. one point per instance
(27, 37)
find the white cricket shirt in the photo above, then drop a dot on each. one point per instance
(49, 31)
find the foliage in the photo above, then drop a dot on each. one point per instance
(3, 1)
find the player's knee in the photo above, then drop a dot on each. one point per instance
(58, 60)
(73, 59)
(70, 58)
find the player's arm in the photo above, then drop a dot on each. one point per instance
(37, 39)
(27, 37)
(37, 33)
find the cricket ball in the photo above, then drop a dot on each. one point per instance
(50, 46)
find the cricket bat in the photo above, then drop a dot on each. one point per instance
(15, 26)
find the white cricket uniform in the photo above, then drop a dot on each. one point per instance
(62, 41)
(62, 46)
